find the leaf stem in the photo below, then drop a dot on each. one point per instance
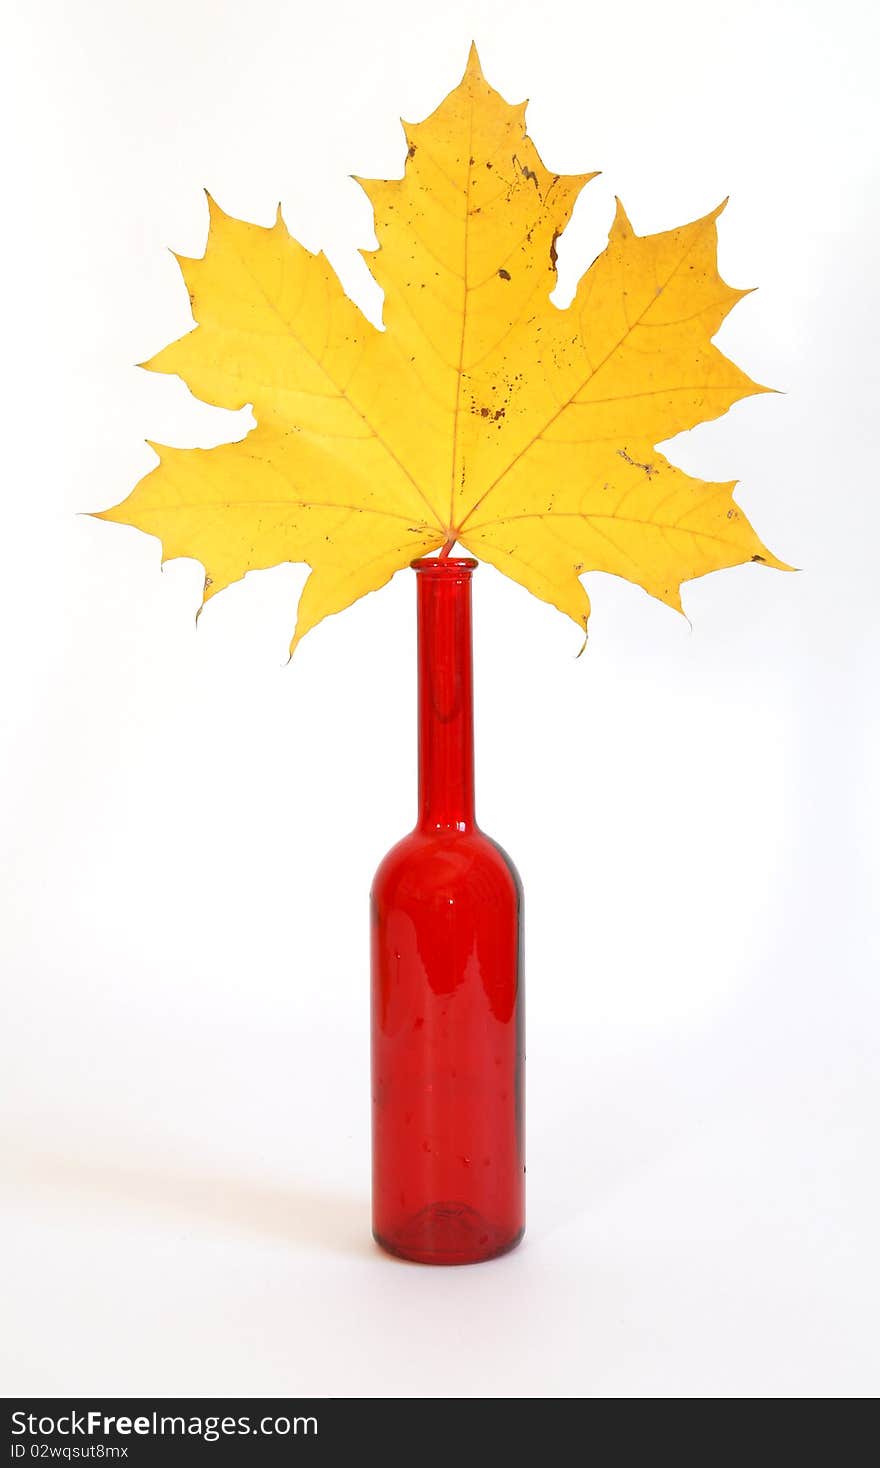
(447, 547)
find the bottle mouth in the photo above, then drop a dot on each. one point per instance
(448, 566)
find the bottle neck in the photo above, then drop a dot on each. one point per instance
(446, 710)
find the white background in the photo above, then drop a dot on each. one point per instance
(190, 827)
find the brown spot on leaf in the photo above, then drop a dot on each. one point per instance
(505, 274)
(648, 468)
(526, 172)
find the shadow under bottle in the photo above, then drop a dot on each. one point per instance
(447, 989)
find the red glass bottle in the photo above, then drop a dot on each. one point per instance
(447, 996)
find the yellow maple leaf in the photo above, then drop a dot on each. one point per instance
(482, 414)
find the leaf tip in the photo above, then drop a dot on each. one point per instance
(774, 563)
(621, 222)
(474, 69)
(215, 213)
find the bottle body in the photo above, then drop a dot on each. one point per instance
(447, 1054)
(447, 991)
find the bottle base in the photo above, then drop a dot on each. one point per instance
(448, 1233)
